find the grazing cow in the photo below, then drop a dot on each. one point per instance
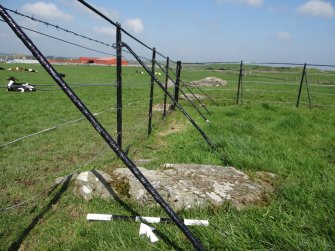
(21, 69)
(30, 70)
(1, 68)
(16, 69)
(139, 72)
(62, 75)
(19, 87)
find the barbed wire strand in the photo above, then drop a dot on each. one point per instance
(35, 198)
(39, 197)
(51, 128)
(58, 27)
(77, 86)
(69, 122)
(116, 25)
(64, 41)
(321, 85)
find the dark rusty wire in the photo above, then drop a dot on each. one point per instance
(58, 27)
(64, 41)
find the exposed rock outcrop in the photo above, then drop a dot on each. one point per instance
(209, 82)
(183, 186)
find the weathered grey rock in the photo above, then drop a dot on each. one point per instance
(209, 82)
(185, 186)
(170, 83)
(93, 184)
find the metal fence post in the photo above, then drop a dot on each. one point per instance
(239, 85)
(100, 129)
(166, 84)
(176, 88)
(308, 93)
(119, 84)
(301, 82)
(151, 90)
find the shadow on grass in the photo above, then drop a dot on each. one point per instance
(65, 184)
(131, 210)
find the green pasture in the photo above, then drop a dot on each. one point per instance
(266, 133)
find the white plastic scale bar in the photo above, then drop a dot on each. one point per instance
(109, 217)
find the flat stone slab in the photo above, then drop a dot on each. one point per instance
(183, 186)
(209, 82)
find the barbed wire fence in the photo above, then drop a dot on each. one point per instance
(253, 81)
(119, 47)
(276, 83)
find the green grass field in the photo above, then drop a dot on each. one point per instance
(266, 133)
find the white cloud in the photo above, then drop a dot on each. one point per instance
(46, 10)
(283, 35)
(111, 14)
(317, 8)
(104, 30)
(253, 3)
(136, 25)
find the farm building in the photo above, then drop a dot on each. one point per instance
(87, 60)
(90, 60)
(64, 61)
(109, 61)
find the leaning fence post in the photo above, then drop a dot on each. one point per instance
(239, 85)
(166, 84)
(151, 90)
(176, 88)
(308, 93)
(119, 84)
(301, 82)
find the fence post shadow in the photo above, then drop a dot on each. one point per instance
(65, 184)
(132, 210)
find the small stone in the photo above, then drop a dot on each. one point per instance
(93, 184)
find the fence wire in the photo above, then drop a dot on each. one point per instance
(280, 81)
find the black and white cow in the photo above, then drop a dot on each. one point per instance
(19, 87)
(30, 70)
(21, 69)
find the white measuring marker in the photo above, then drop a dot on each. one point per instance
(109, 217)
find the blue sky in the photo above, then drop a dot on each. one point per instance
(188, 30)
